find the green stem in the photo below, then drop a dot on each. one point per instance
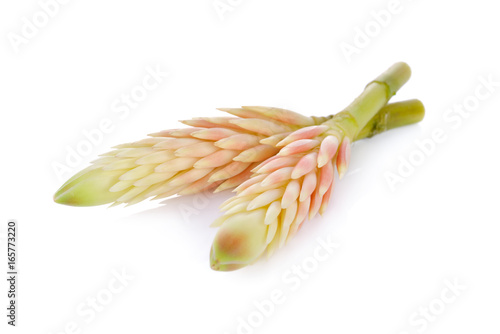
(393, 115)
(377, 93)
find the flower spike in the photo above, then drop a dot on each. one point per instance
(281, 164)
(297, 185)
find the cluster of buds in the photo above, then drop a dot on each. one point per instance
(285, 190)
(282, 164)
(213, 153)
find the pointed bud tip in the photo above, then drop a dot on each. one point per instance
(90, 187)
(322, 160)
(344, 157)
(217, 266)
(240, 240)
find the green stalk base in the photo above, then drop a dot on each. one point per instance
(377, 93)
(392, 116)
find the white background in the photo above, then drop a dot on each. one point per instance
(398, 247)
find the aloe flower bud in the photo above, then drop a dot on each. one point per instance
(213, 153)
(297, 183)
(284, 191)
(216, 153)
(239, 241)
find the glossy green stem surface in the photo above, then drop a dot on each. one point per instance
(393, 115)
(377, 93)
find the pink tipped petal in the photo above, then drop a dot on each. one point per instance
(121, 185)
(163, 190)
(308, 186)
(163, 133)
(198, 150)
(176, 165)
(196, 122)
(181, 133)
(304, 133)
(276, 163)
(273, 212)
(302, 212)
(282, 115)
(277, 176)
(153, 179)
(228, 184)
(137, 172)
(202, 185)
(128, 196)
(147, 142)
(259, 165)
(240, 112)
(189, 177)
(211, 122)
(326, 175)
(158, 189)
(250, 182)
(213, 134)
(233, 201)
(121, 164)
(135, 152)
(262, 126)
(170, 192)
(216, 159)
(326, 200)
(232, 169)
(103, 161)
(299, 146)
(271, 231)
(288, 221)
(258, 188)
(300, 217)
(176, 143)
(316, 200)
(157, 157)
(273, 140)
(283, 231)
(235, 180)
(265, 198)
(329, 147)
(178, 133)
(291, 194)
(290, 213)
(238, 142)
(256, 154)
(253, 189)
(344, 157)
(305, 165)
(237, 208)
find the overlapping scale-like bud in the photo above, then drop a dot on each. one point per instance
(213, 153)
(284, 191)
(282, 163)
